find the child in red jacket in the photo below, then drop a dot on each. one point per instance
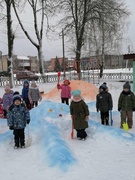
(65, 91)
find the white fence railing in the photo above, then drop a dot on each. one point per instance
(85, 76)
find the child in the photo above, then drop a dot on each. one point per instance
(7, 99)
(17, 118)
(34, 95)
(25, 91)
(79, 113)
(65, 91)
(1, 110)
(126, 105)
(104, 103)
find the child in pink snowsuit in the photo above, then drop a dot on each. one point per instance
(65, 91)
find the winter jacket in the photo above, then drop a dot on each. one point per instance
(104, 101)
(65, 91)
(7, 100)
(17, 116)
(126, 101)
(34, 94)
(79, 110)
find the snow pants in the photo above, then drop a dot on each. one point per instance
(127, 117)
(34, 104)
(104, 117)
(27, 102)
(5, 113)
(19, 137)
(65, 100)
(81, 133)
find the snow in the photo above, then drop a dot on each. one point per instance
(108, 152)
(23, 57)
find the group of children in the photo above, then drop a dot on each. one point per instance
(16, 109)
(79, 110)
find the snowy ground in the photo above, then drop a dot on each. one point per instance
(108, 152)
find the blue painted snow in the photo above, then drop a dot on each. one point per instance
(55, 151)
(6, 136)
(115, 132)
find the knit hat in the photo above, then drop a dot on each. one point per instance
(16, 93)
(33, 83)
(103, 86)
(16, 97)
(67, 81)
(127, 85)
(76, 93)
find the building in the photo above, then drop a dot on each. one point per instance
(52, 65)
(30, 63)
(3, 63)
(110, 62)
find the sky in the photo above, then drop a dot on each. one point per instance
(107, 153)
(52, 47)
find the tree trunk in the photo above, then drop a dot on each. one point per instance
(40, 57)
(78, 62)
(10, 36)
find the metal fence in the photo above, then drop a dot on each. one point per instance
(85, 76)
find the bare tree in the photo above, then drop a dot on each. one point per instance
(108, 30)
(40, 8)
(10, 37)
(78, 16)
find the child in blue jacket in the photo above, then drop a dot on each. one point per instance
(17, 117)
(25, 91)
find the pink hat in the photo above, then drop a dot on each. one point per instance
(67, 81)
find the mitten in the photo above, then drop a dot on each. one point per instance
(72, 117)
(40, 99)
(28, 121)
(86, 118)
(133, 109)
(11, 127)
(119, 109)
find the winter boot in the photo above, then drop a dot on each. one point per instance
(102, 121)
(107, 121)
(16, 144)
(22, 143)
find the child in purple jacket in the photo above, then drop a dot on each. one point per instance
(7, 99)
(65, 91)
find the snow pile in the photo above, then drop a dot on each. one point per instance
(89, 91)
(108, 152)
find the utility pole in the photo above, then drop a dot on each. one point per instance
(63, 45)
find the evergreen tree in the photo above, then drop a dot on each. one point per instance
(57, 65)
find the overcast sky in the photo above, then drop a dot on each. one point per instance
(53, 48)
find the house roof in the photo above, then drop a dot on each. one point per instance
(129, 56)
(23, 57)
